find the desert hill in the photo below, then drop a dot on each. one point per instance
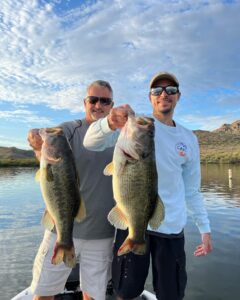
(12, 156)
(15, 153)
(220, 145)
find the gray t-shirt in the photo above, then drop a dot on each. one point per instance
(95, 188)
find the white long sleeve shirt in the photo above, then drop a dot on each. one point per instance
(178, 167)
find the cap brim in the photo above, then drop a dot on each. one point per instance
(167, 76)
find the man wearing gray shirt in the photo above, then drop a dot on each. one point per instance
(93, 237)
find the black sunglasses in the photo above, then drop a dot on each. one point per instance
(95, 99)
(170, 90)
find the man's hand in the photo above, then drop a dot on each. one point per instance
(35, 141)
(205, 247)
(118, 116)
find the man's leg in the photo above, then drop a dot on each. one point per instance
(95, 266)
(168, 267)
(48, 279)
(129, 272)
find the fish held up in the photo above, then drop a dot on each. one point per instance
(135, 184)
(60, 190)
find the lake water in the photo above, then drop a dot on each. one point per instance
(214, 277)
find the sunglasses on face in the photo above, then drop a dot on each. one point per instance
(95, 99)
(170, 90)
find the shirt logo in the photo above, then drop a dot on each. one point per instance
(181, 149)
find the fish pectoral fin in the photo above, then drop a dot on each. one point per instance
(37, 175)
(117, 218)
(47, 220)
(81, 212)
(108, 171)
(158, 214)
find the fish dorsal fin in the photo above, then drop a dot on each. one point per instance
(158, 214)
(117, 218)
(37, 175)
(47, 220)
(81, 212)
(108, 171)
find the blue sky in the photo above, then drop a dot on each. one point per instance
(51, 50)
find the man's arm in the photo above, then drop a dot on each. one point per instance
(194, 200)
(103, 133)
(100, 136)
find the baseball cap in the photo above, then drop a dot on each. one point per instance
(163, 75)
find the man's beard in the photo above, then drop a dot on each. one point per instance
(166, 111)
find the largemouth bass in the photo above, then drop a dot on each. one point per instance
(60, 190)
(135, 186)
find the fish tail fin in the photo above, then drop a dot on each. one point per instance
(131, 246)
(139, 248)
(70, 258)
(62, 254)
(126, 247)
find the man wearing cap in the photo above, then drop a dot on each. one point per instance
(178, 166)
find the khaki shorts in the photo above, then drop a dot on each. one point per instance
(95, 257)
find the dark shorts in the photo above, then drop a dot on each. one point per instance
(168, 266)
(129, 271)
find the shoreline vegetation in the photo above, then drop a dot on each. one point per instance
(209, 158)
(20, 162)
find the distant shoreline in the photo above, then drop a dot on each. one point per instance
(32, 162)
(9, 162)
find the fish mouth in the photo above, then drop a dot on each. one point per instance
(144, 121)
(54, 130)
(145, 124)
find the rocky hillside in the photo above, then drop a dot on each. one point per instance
(230, 128)
(221, 145)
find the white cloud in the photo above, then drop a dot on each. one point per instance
(206, 123)
(48, 57)
(7, 141)
(24, 116)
